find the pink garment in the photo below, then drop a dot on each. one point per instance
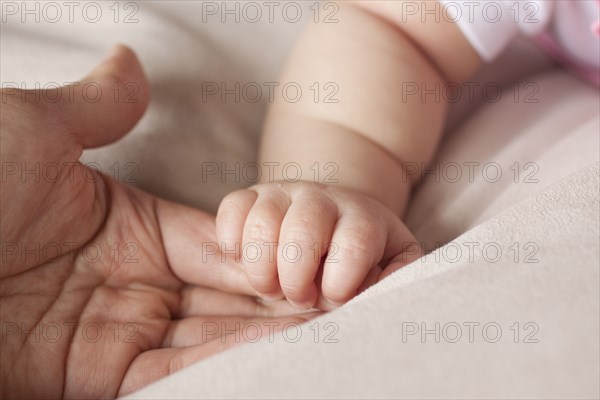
(596, 25)
(560, 27)
(589, 73)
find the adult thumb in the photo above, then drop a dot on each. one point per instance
(106, 104)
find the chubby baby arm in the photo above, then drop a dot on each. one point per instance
(370, 134)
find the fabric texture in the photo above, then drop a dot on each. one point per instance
(379, 355)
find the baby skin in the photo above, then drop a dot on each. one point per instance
(329, 241)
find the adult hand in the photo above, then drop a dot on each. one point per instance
(103, 288)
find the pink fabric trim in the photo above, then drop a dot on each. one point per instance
(547, 42)
(596, 25)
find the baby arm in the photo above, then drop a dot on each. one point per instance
(370, 135)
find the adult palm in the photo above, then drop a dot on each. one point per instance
(103, 288)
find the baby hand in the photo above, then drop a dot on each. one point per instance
(286, 231)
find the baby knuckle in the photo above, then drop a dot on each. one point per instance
(357, 250)
(259, 231)
(300, 237)
(370, 230)
(324, 205)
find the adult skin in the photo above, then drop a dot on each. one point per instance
(148, 311)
